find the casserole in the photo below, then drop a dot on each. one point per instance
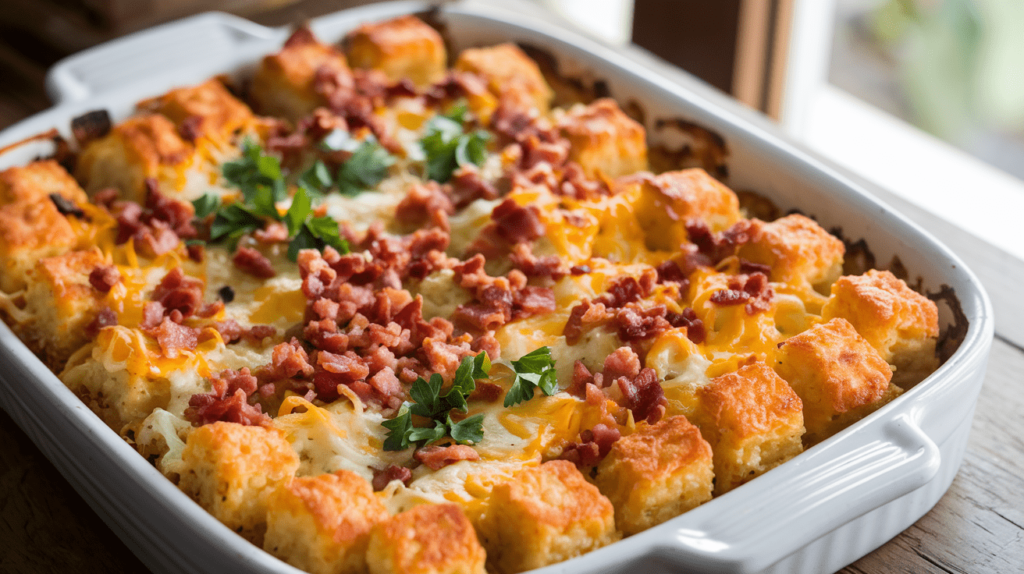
(889, 456)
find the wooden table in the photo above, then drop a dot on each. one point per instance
(978, 526)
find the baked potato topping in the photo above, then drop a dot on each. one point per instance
(379, 314)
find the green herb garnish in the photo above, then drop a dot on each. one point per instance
(367, 167)
(429, 402)
(534, 369)
(447, 147)
(259, 178)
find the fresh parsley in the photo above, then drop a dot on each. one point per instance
(365, 168)
(256, 173)
(258, 176)
(429, 402)
(316, 180)
(534, 369)
(447, 147)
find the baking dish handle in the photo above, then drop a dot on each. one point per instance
(202, 41)
(835, 484)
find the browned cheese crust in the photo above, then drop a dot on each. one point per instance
(656, 474)
(428, 539)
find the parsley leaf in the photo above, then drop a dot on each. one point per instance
(255, 170)
(446, 147)
(398, 429)
(298, 211)
(467, 430)
(232, 222)
(534, 369)
(367, 167)
(429, 402)
(205, 205)
(316, 180)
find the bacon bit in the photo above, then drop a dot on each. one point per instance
(253, 262)
(274, 232)
(179, 292)
(623, 362)
(467, 186)
(486, 343)
(288, 360)
(694, 326)
(176, 214)
(530, 301)
(196, 251)
(486, 392)
(174, 338)
(104, 318)
(228, 401)
(552, 266)
(718, 246)
(581, 378)
(257, 333)
(191, 128)
(584, 317)
(444, 358)
(516, 224)
(728, 297)
(382, 478)
(425, 202)
(152, 315)
(386, 383)
(229, 330)
(104, 277)
(576, 184)
(637, 324)
(753, 290)
(593, 446)
(644, 396)
(749, 268)
(210, 309)
(438, 457)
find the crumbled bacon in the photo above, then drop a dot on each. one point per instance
(104, 318)
(486, 392)
(517, 224)
(227, 401)
(584, 316)
(749, 268)
(191, 128)
(438, 457)
(643, 395)
(425, 203)
(753, 290)
(253, 262)
(274, 232)
(467, 186)
(104, 277)
(623, 362)
(718, 246)
(636, 323)
(382, 478)
(694, 326)
(581, 378)
(552, 266)
(593, 446)
(174, 338)
(179, 292)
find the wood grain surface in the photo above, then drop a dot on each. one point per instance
(977, 527)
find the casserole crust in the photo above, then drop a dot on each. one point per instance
(321, 389)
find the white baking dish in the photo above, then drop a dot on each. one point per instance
(817, 513)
